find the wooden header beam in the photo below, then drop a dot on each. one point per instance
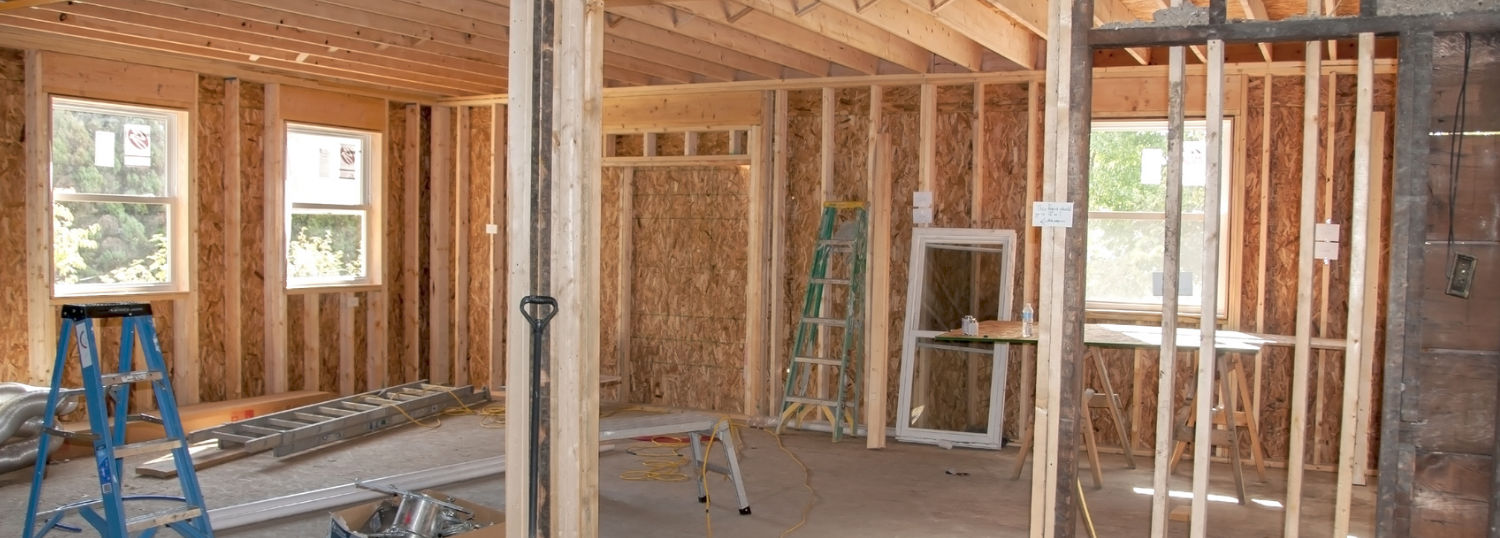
(1311, 29)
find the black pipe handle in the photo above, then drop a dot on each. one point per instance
(544, 314)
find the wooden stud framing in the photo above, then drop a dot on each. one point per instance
(1374, 245)
(312, 343)
(410, 274)
(41, 322)
(1034, 128)
(1302, 352)
(185, 353)
(1265, 249)
(826, 154)
(1207, 353)
(1354, 335)
(234, 361)
(1061, 312)
(779, 311)
(274, 145)
(461, 249)
(376, 324)
(346, 342)
(690, 143)
(625, 270)
(1167, 359)
(1325, 271)
(440, 248)
(519, 139)
(755, 284)
(927, 129)
(499, 352)
(877, 332)
(575, 267)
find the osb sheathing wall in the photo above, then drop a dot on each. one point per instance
(329, 332)
(1003, 202)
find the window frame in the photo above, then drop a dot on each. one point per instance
(175, 199)
(1227, 202)
(368, 207)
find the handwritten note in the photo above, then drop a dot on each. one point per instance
(1052, 214)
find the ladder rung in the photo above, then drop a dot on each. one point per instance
(832, 322)
(162, 518)
(230, 439)
(65, 434)
(310, 417)
(837, 243)
(815, 360)
(811, 401)
(123, 378)
(283, 423)
(335, 411)
(146, 447)
(834, 281)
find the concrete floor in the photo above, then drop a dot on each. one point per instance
(904, 490)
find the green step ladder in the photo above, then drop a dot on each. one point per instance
(185, 514)
(810, 352)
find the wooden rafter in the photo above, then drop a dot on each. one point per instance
(920, 27)
(707, 70)
(763, 24)
(986, 26)
(711, 32)
(21, 4)
(1256, 10)
(638, 31)
(846, 29)
(1107, 11)
(652, 68)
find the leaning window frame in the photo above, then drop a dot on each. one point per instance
(1225, 225)
(366, 208)
(175, 199)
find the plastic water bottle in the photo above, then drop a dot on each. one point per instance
(1028, 318)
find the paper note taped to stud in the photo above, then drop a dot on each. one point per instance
(1052, 214)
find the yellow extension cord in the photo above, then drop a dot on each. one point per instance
(494, 414)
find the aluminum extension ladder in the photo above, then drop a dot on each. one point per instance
(186, 514)
(801, 396)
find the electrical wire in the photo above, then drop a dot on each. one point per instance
(806, 483)
(1456, 148)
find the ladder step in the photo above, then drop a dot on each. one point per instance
(842, 244)
(155, 446)
(816, 360)
(832, 322)
(123, 378)
(230, 439)
(162, 518)
(812, 401)
(833, 281)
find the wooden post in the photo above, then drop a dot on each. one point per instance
(1354, 335)
(1324, 269)
(626, 270)
(1207, 351)
(1063, 255)
(460, 257)
(1302, 351)
(1172, 265)
(826, 154)
(575, 265)
(184, 351)
(410, 272)
(755, 284)
(234, 351)
(1026, 427)
(41, 319)
(779, 310)
(440, 248)
(1375, 206)
(927, 131)
(499, 240)
(878, 329)
(1403, 310)
(376, 324)
(274, 155)
(520, 139)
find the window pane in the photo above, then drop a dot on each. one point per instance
(325, 168)
(109, 243)
(110, 149)
(1124, 254)
(1127, 167)
(326, 246)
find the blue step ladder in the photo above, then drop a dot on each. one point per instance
(186, 514)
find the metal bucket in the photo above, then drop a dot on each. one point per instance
(419, 515)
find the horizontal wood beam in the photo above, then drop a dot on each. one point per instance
(1309, 29)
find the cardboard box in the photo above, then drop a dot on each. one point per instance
(344, 520)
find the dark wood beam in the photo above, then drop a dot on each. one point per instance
(1316, 29)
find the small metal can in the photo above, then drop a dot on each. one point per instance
(970, 326)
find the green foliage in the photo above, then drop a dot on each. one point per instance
(68, 241)
(326, 246)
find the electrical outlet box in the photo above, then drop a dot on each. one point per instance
(1461, 278)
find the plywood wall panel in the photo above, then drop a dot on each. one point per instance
(297, 355)
(610, 342)
(1253, 121)
(629, 145)
(804, 132)
(1003, 204)
(396, 221)
(423, 223)
(954, 156)
(713, 143)
(13, 348)
(689, 285)
(901, 119)
(210, 234)
(361, 312)
(671, 144)
(851, 144)
(252, 210)
(330, 308)
(480, 244)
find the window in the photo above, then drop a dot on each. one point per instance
(1127, 215)
(116, 186)
(328, 192)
